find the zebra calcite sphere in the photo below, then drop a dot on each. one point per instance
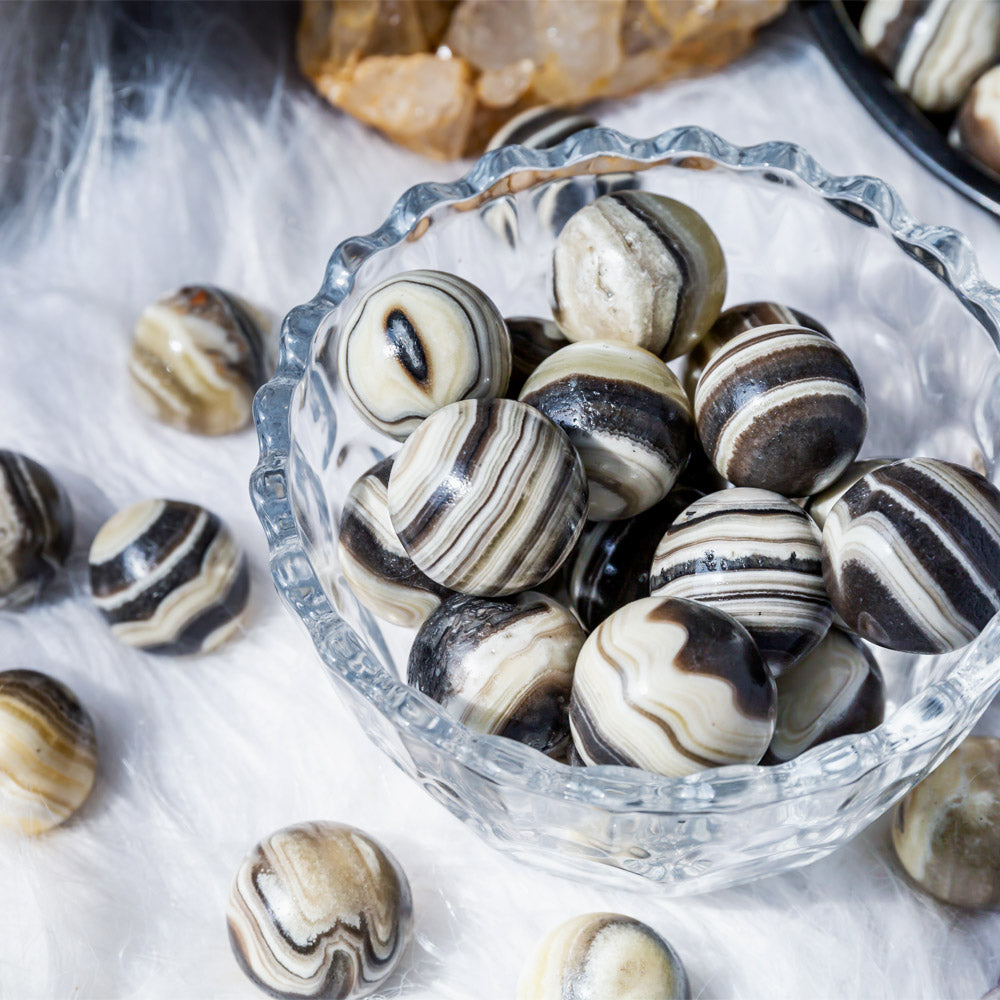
(319, 910)
(380, 573)
(36, 528)
(501, 665)
(672, 687)
(934, 50)
(641, 269)
(946, 830)
(541, 127)
(610, 566)
(532, 340)
(604, 956)
(48, 752)
(756, 556)
(736, 320)
(781, 408)
(418, 341)
(198, 357)
(818, 507)
(627, 416)
(169, 577)
(488, 497)
(911, 555)
(834, 691)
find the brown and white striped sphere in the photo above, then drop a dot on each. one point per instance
(781, 408)
(319, 910)
(934, 49)
(627, 416)
(978, 123)
(819, 505)
(169, 577)
(379, 572)
(48, 752)
(488, 497)
(641, 269)
(501, 665)
(756, 556)
(198, 356)
(532, 340)
(911, 555)
(36, 528)
(418, 341)
(603, 956)
(835, 690)
(736, 320)
(673, 687)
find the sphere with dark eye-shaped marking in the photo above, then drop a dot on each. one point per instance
(501, 665)
(781, 408)
(418, 341)
(640, 269)
(627, 416)
(319, 910)
(673, 687)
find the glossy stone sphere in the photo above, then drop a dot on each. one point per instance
(169, 577)
(541, 127)
(978, 122)
(626, 415)
(736, 320)
(819, 505)
(911, 555)
(835, 690)
(198, 357)
(610, 565)
(501, 665)
(946, 830)
(672, 687)
(418, 341)
(488, 497)
(756, 556)
(48, 752)
(781, 408)
(933, 50)
(532, 340)
(36, 528)
(319, 910)
(379, 572)
(641, 269)
(604, 956)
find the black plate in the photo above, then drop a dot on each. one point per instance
(925, 137)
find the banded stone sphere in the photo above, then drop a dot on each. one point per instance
(933, 50)
(379, 572)
(626, 415)
(946, 830)
(610, 565)
(48, 752)
(36, 528)
(604, 956)
(319, 910)
(418, 341)
(532, 340)
(488, 497)
(736, 320)
(672, 687)
(835, 691)
(911, 555)
(781, 408)
(501, 665)
(198, 356)
(756, 556)
(819, 505)
(641, 269)
(169, 577)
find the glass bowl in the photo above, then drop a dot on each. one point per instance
(907, 303)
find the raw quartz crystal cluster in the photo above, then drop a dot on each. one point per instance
(440, 76)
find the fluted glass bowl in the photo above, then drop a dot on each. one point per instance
(907, 303)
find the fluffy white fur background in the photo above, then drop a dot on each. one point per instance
(141, 148)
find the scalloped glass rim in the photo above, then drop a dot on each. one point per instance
(925, 728)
